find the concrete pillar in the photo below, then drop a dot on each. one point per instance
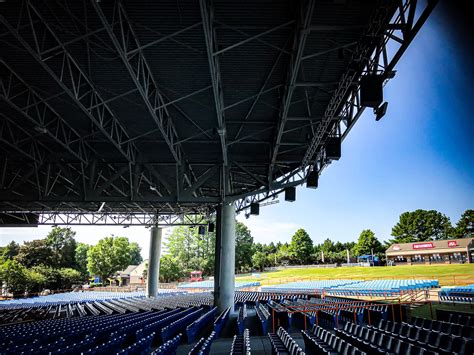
(153, 278)
(225, 237)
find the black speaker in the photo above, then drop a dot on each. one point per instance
(210, 227)
(290, 194)
(202, 230)
(371, 90)
(254, 208)
(333, 148)
(312, 180)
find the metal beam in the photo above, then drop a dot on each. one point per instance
(45, 119)
(141, 74)
(207, 14)
(344, 106)
(301, 34)
(286, 24)
(73, 81)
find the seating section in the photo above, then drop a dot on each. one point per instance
(379, 288)
(331, 312)
(241, 319)
(463, 294)
(254, 298)
(241, 344)
(421, 336)
(455, 317)
(180, 324)
(283, 343)
(168, 348)
(199, 324)
(221, 321)
(264, 316)
(92, 335)
(210, 284)
(203, 346)
(321, 341)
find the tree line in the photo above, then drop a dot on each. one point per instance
(188, 250)
(59, 262)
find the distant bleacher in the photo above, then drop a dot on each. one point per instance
(354, 287)
(210, 284)
(462, 294)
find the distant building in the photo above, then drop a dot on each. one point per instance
(136, 275)
(123, 277)
(453, 251)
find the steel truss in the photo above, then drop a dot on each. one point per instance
(107, 219)
(88, 182)
(370, 56)
(71, 78)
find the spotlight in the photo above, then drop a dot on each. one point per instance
(202, 230)
(380, 111)
(290, 194)
(247, 216)
(312, 180)
(254, 209)
(333, 148)
(371, 90)
(210, 227)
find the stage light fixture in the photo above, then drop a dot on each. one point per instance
(290, 194)
(380, 111)
(312, 180)
(254, 209)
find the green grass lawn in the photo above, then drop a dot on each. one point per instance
(447, 275)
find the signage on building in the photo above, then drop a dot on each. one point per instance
(452, 243)
(427, 245)
(396, 247)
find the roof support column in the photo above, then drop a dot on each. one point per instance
(153, 277)
(224, 282)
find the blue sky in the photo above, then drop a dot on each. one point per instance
(420, 155)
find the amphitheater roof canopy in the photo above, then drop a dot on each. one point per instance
(173, 107)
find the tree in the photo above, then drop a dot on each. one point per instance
(14, 276)
(135, 254)
(421, 225)
(9, 251)
(301, 246)
(33, 253)
(63, 245)
(170, 269)
(110, 255)
(194, 251)
(367, 243)
(81, 258)
(243, 248)
(283, 254)
(259, 260)
(465, 226)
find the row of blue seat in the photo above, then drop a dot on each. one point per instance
(221, 320)
(180, 324)
(203, 346)
(264, 316)
(283, 343)
(170, 347)
(320, 341)
(241, 317)
(241, 344)
(197, 326)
